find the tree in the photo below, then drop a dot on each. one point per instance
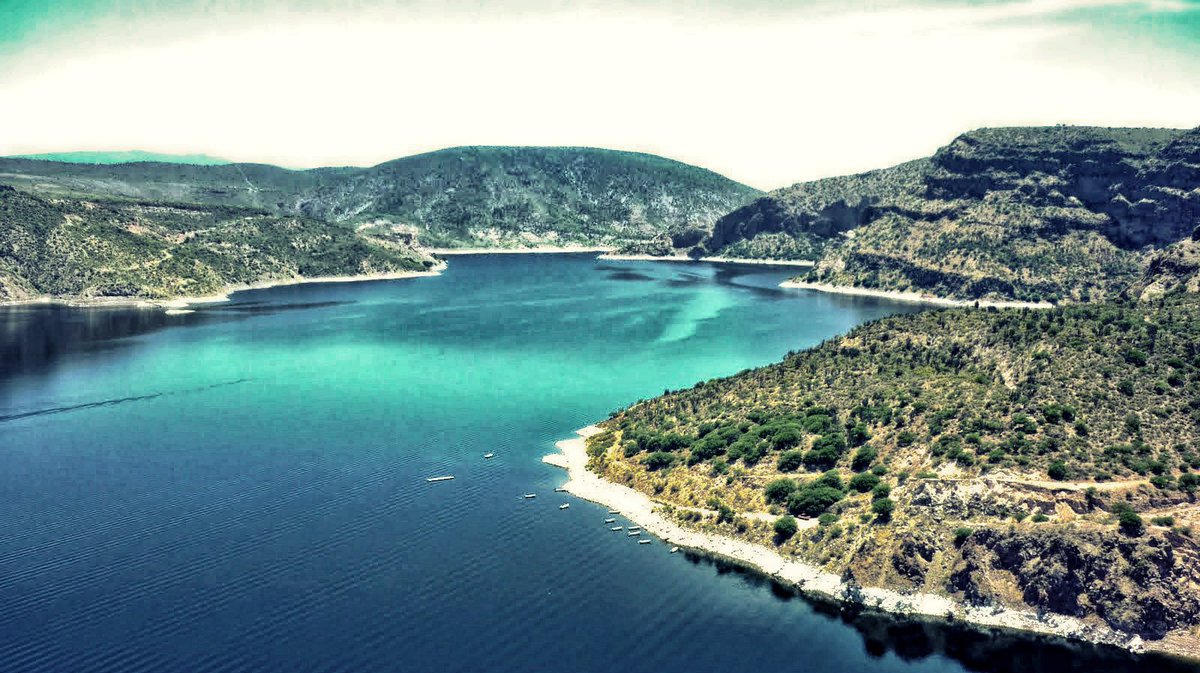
(785, 528)
(863, 458)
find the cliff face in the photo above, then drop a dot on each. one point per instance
(1054, 213)
(502, 196)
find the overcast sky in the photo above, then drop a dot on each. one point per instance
(768, 93)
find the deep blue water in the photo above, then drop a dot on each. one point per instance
(243, 488)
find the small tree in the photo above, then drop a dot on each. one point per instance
(1131, 524)
(1057, 470)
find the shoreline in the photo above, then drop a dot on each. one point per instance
(536, 250)
(713, 260)
(912, 297)
(806, 578)
(182, 304)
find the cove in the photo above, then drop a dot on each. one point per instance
(243, 488)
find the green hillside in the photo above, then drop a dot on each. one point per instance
(469, 196)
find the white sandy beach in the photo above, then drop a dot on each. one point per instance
(913, 297)
(639, 508)
(181, 304)
(717, 260)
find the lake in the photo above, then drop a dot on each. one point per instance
(242, 488)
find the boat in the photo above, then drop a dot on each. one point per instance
(609, 520)
(635, 528)
(559, 489)
(564, 505)
(489, 455)
(613, 511)
(445, 478)
(530, 495)
(674, 549)
(644, 541)
(617, 528)
(636, 532)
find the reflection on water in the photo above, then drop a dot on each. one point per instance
(35, 337)
(977, 648)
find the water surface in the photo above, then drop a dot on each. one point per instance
(243, 488)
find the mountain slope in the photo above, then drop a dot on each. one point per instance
(88, 248)
(1046, 213)
(503, 196)
(1031, 459)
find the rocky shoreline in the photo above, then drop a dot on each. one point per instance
(810, 579)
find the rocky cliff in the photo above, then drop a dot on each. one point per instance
(1050, 213)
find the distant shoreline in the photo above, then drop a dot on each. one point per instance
(536, 250)
(715, 260)
(183, 304)
(641, 509)
(912, 297)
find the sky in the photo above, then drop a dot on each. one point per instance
(767, 92)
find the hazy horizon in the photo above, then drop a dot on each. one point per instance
(766, 93)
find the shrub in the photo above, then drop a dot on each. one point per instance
(785, 528)
(779, 490)
(1057, 470)
(906, 437)
(883, 508)
(961, 535)
(790, 461)
(864, 481)
(863, 458)
(1164, 521)
(1131, 524)
(813, 499)
(1040, 518)
(827, 518)
(881, 491)
(831, 479)
(859, 434)
(659, 460)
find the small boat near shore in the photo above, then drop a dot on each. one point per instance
(636, 532)
(564, 505)
(644, 541)
(635, 528)
(435, 479)
(609, 520)
(674, 549)
(613, 511)
(617, 528)
(559, 489)
(529, 496)
(489, 456)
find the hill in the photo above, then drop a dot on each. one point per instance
(467, 196)
(93, 248)
(1044, 460)
(124, 157)
(1047, 213)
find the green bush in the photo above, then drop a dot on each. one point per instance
(779, 490)
(883, 508)
(813, 499)
(1057, 470)
(1131, 524)
(864, 481)
(961, 535)
(790, 461)
(785, 528)
(1163, 521)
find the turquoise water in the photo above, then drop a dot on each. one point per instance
(243, 488)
